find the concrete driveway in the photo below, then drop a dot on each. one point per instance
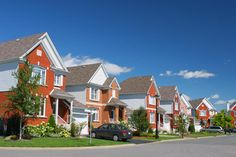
(207, 147)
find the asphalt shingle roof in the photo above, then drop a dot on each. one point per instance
(195, 103)
(15, 48)
(167, 92)
(133, 85)
(108, 81)
(232, 104)
(80, 75)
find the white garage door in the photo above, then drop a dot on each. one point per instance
(79, 118)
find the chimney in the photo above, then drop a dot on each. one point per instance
(228, 105)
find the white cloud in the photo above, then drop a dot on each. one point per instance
(186, 74)
(111, 68)
(215, 96)
(224, 102)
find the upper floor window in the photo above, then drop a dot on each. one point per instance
(58, 80)
(152, 100)
(42, 73)
(94, 94)
(202, 113)
(152, 117)
(176, 106)
(113, 93)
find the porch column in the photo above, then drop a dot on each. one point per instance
(124, 114)
(56, 114)
(159, 120)
(116, 114)
(71, 111)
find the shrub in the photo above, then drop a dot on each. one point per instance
(1, 127)
(150, 131)
(13, 123)
(136, 133)
(74, 129)
(52, 122)
(12, 137)
(191, 128)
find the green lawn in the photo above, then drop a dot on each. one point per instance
(58, 142)
(203, 134)
(161, 137)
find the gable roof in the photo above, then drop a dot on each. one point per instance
(16, 48)
(196, 102)
(185, 99)
(136, 85)
(168, 92)
(108, 81)
(80, 75)
(232, 105)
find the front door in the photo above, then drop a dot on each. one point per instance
(112, 115)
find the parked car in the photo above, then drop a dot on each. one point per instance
(230, 130)
(213, 129)
(112, 131)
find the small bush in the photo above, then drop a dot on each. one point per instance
(150, 131)
(11, 137)
(136, 133)
(191, 128)
(74, 129)
(52, 122)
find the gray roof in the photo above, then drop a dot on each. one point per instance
(80, 75)
(58, 93)
(195, 103)
(160, 109)
(136, 85)
(78, 104)
(16, 48)
(167, 92)
(234, 103)
(116, 102)
(108, 81)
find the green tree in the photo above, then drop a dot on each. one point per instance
(23, 98)
(139, 120)
(223, 119)
(182, 122)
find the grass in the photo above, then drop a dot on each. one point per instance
(57, 142)
(203, 134)
(161, 137)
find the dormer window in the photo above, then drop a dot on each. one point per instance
(58, 80)
(152, 100)
(94, 94)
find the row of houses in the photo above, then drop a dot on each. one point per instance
(68, 91)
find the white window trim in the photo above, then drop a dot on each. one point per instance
(113, 94)
(60, 80)
(96, 120)
(149, 100)
(44, 107)
(150, 118)
(90, 94)
(200, 111)
(176, 108)
(41, 69)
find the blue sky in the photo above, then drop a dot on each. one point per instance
(191, 44)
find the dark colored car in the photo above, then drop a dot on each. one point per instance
(230, 130)
(213, 129)
(112, 131)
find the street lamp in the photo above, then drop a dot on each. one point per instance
(157, 119)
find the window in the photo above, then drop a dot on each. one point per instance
(42, 73)
(202, 113)
(58, 80)
(176, 106)
(152, 117)
(152, 100)
(95, 115)
(42, 107)
(94, 94)
(113, 93)
(234, 113)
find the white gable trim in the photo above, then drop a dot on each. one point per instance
(185, 101)
(155, 85)
(207, 103)
(101, 66)
(232, 107)
(114, 79)
(46, 36)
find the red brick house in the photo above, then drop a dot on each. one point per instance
(203, 110)
(40, 51)
(91, 85)
(170, 101)
(232, 110)
(142, 91)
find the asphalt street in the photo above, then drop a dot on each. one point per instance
(207, 147)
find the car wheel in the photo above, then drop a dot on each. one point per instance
(93, 135)
(115, 138)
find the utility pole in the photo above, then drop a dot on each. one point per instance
(157, 98)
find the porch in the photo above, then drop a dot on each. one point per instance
(116, 110)
(62, 105)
